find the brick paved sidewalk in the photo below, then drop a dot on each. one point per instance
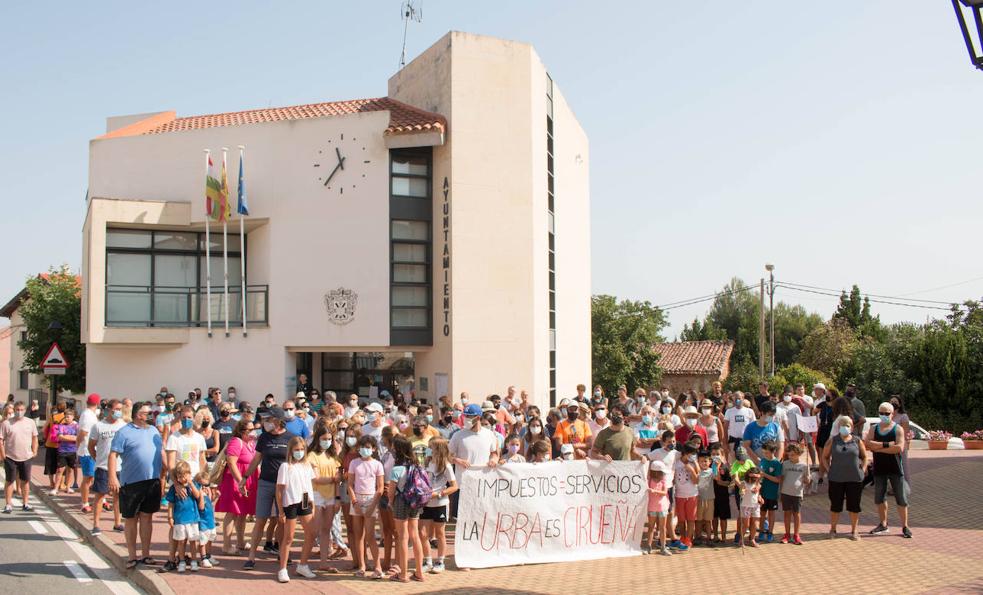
(944, 557)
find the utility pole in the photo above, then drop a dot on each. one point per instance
(761, 332)
(771, 312)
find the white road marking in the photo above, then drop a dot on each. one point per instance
(77, 571)
(38, 527)
(99, 567)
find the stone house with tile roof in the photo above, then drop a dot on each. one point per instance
(694, 364)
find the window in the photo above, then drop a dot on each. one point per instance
(411, 249)
(157, 278)
(551, 231)
(23, 380)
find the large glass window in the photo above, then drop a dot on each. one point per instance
(411, 247)
(158, 278)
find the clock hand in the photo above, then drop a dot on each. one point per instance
(341, 160)
(331, 175)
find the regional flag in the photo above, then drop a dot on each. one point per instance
(242, 208)
(215, 194)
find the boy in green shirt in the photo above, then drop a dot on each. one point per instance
(738, 468)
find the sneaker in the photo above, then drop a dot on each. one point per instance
(276, 547)
(438, 567)
(769, 537)
(95, 531)
(674, 544)
(27, 508)
(212, 561)
(764, 526)
(53, 492)
(682, 547)
(785, 539)
(194, 566)
(906, 532)
(269, 548)
(7, 509)
(427, 565)
(665, 551)
(854, 536)
(305, 571)
(797, 540)
(282, 576)
(119, 528)
(86, 509)
(646, 550)
(205, 563)
(737, 539)
(249, 565)
(168, 566)
(182, 566)
(880, 528)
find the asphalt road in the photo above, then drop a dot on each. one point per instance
(40, 554)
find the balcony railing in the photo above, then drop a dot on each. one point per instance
(141, 306)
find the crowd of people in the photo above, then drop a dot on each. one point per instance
(376, 479)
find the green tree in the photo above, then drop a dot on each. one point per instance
(736, 311)
(705, 331)
(622, 336)
(798, 374)
(792, 325)
(54, 297)
(828, 348)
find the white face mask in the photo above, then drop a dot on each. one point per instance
(690, 422)
(601, 414)
(787, 398)
(534, 430)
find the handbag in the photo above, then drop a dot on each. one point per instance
(218, 467)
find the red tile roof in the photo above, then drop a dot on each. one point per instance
(403, 118)
(694, 357)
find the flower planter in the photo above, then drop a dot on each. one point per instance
(938, 444)
(973, 444)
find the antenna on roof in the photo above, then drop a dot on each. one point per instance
(410, 11)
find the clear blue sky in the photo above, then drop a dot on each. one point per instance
(836, 139)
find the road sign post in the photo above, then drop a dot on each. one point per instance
(54, 365)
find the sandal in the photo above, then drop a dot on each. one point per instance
(338, 553)
(148, 561)
(395, 578)
(359, 573)
(327, 570)
(416, 577)
(377, 575)
(394, 569)
(131, 564)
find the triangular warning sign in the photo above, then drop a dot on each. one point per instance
(55, 358)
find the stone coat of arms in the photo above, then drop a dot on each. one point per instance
(340, 304)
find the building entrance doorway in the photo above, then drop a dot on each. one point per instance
(366, 374)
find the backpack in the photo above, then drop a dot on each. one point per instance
(414, 487)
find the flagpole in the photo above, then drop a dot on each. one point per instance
(225, 241)
(242, 240)
(208, 253)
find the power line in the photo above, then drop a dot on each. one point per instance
(888, 297)
(876, 301)
(944, 286)
(705, 298)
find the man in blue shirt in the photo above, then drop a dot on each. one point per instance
(295, 425)
(139, 486)
(764, 429)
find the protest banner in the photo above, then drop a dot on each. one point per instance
(807, 424)
(529, 513)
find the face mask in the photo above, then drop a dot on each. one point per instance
(325, 444)
(568, 457)
(298, 455)
(117, 414)
(573, 415)
(464, 400)
(616, 420)
(597, 394)
(769, 419)
(417, 431)
(741, 456)
(535, 430)
(428, 452)
(456, 414)
(224, 414)
(666, 410)
(353, 404)
(403, 425)
(885, 418)
(844, 431)
(289, 413)
(513, 448)
(646, 420)
(600, 414)
(706, 411)
(205, 423)
(429, 419)
(168, 407)
(691, 422)
(187, 424)
(256, 433)
(787, 398)
(372, 417)
(268, 426)
(365, 452)
(350, 441)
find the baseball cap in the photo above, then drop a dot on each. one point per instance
(566, 448)
(658, 466)
(374, 407)
(274, 412)
(93, 399)
(472, 410)
(819, 385)
(384, 394)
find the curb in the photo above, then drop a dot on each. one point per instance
(148, 580)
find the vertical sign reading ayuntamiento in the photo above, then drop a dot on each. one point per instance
(529, 513)
(446, 258)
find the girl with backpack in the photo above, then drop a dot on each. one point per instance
(442, 485)
(405, 489)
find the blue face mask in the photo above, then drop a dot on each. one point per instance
(428, 452)
(647, 420)
(885, 418)
(187, 424)
(769, 419)
(365, 452)
(117, 414)
(429, 419)
(298, 455)
(844, 431)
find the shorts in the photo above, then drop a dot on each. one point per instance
(88, 466)
(437, 514)
(686, 508)
(704, 510)
(658, 514)
(791, 503)
(770, 504)
(403, 511)
(50, 460)
(292, 511)
(898, 484)
(734, 442)
(266, 500)
(206, 535)
(750, 512)
(320, 501)
(362, 504)
(187, 531)
(17, 470)
(849, 490)
(141, 496)
(721, 506)
(66, 459)
(100, 484)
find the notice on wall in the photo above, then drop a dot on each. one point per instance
(530, 513)
(807, 424)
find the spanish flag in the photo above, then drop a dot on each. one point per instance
(216, 193)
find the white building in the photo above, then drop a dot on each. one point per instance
(451, 249)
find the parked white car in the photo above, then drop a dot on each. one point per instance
(919, 441)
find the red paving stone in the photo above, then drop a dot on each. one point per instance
(947, 519)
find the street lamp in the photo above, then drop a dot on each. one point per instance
(975, 48)
(771, 312)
